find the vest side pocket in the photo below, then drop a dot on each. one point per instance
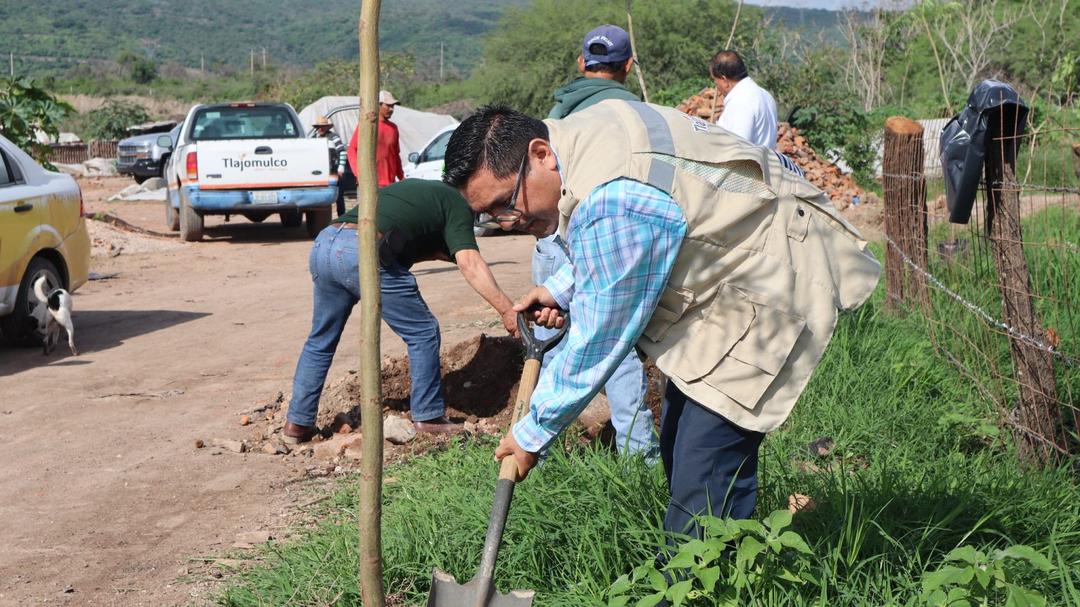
(707, 334)
(671, 307)
(755, 360)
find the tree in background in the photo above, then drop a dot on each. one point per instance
(139, 69)
(532, 51)
(397, 73)
(112, 120)
(27, 110)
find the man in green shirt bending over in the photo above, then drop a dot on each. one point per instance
(418, 220)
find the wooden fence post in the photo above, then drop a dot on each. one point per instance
(1038, 418)
(904, 185)
(371, 420)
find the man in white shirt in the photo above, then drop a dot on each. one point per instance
(749, 110)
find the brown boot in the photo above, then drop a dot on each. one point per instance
(294, 434)
(439, 425)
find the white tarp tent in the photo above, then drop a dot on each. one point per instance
(414, 127)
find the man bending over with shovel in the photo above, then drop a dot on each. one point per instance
(417, 221)
(699, 248)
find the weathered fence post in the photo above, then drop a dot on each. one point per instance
(1037, 418)
(371, 464)
(905, 212)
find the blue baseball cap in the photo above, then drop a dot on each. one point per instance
(615, 41)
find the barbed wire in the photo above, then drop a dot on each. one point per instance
(1015, 185)
(983, 314)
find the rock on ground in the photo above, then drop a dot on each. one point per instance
(398, 430)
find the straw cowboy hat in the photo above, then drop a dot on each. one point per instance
(322, 121)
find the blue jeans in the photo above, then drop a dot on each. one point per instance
(711, 464)
(632, 419)
(333, 265)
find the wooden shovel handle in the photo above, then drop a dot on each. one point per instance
(530, 374)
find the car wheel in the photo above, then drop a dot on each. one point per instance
(290, 219)
(172, 216)
(141, 178)
(191, 223)
(316, 220)
(20, 327)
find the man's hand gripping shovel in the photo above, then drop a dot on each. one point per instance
(480, 591)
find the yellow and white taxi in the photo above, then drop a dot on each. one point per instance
(42, 233)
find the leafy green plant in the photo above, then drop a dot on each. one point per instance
(736, 563)
(112, 120)
(25, 110)
(979, 578)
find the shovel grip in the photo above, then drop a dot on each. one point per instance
(530, 374)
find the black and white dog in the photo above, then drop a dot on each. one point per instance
(53, 314)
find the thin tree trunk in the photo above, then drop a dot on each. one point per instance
(734, 24)
(941, 69)
(370, 504)
(633, 50)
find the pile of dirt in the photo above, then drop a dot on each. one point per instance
(840, 187)
(110, 237)
(480, 382)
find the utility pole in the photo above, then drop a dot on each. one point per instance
(252, 62)
(264, 58)
(441, 45)
(202, 63)
(11, 60)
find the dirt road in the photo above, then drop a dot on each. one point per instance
(106, 501)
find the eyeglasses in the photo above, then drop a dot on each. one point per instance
(509, 213)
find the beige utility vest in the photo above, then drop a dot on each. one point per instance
(765, 267)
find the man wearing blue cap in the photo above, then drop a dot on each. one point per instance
(604, 63)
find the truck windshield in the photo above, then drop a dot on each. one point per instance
(212, 124)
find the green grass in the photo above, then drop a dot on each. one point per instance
(919, 469)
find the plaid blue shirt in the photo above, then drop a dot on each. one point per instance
(622, 242)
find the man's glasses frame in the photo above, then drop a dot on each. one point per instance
(510, 213)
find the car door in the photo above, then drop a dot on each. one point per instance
(21, 214)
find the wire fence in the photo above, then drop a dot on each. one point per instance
(996, 295)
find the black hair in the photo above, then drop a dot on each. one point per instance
(495, 137)
(727, 64)
(607, 68)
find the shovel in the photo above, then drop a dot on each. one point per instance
(480, 591)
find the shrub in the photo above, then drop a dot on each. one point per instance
(112, 120)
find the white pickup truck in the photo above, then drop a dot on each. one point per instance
(249, 159)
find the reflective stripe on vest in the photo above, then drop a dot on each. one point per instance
(661, 174)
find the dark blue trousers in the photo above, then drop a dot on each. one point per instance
(711, 464)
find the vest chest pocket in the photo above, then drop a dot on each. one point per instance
(798, 222)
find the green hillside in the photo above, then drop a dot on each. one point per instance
(51, 36)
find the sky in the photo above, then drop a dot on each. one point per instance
(832, 4)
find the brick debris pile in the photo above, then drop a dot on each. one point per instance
(840, 187)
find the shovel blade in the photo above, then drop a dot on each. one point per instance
(446, 592)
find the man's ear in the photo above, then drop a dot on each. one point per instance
(541, 150)
(581, 64)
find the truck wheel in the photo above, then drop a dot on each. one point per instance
(256, 217)
(20, 327)
(172, 216)
(290, 219)
(191, 223)
(141, 178)
(317, 219)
